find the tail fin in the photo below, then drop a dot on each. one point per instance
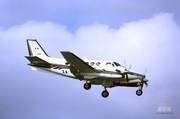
(35, 49)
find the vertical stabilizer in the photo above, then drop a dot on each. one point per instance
(35, 49)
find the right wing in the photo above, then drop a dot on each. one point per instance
(78, 63)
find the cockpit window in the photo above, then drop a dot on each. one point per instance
(92, 63)
(117, 64)
(98, 63)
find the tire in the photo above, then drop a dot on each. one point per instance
(105, 94)
(87, 86)
(139, 92)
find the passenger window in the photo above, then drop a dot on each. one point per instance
(108, 64)
(98, 63)
(112, 64)
(92, 63)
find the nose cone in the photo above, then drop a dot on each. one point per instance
(146, 80)
(144, 76)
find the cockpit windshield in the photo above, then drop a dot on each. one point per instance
(117, 64)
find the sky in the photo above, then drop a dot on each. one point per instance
(144, 34)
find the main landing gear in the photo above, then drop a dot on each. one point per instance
(104, 93)
(87, 86)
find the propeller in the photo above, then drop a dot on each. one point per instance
(143, 80)
(127, 79)
(126, 67)
(145, 72)
(125, 73)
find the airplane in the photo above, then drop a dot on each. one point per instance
(109, 74)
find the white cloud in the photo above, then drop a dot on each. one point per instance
(32, 29)
(147, 43)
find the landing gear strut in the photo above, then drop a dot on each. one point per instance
(87, 86)
(139, 92)
(105, 93)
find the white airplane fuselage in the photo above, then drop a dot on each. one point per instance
(94, 77)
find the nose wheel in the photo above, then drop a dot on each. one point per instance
(139, 92)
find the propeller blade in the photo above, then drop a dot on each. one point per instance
(127, 79)
(145, 72)
(126, 67)
(145, 80)
(142, 86)
(130, 67)
(125, 64)
(146, 84)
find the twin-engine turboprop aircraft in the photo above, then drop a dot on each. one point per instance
(94, 72)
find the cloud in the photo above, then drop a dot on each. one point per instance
(79, 12)
(146, 43)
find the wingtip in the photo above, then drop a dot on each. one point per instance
(31, 39)
(66, 52)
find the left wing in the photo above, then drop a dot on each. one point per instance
(78, 63)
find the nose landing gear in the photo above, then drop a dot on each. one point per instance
(139, 92)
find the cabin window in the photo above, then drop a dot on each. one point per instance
(98, 63)
(92, 63)
(112, 64)
(108, 64)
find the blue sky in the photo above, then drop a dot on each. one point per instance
(144, 33)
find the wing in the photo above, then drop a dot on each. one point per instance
(78, 63)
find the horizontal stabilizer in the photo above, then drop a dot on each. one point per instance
(78, 63)
(36, 61)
